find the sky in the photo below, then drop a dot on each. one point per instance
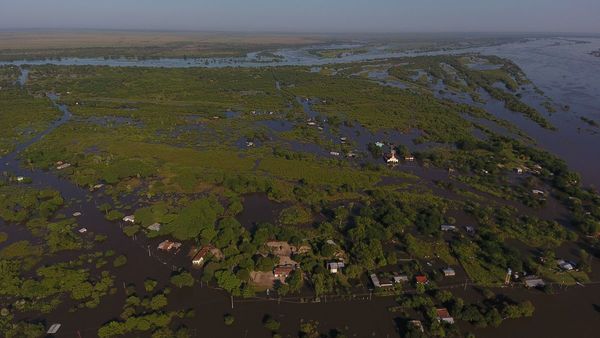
(581, 16)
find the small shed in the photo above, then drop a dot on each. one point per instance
(154, 227)
(447, 227)
(567, 266)
(53, 329)
(449, 272)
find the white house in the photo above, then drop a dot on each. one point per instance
(130, 218)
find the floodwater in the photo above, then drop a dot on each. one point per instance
(258, 208)
(565, 71)
(561, 68)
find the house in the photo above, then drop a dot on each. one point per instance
(409, 158)
(519, 170)
(199, 257)
(379, 144)
(130, 218)
(444, 316)
(400, 279)
(20, 178)
(417, 325)
(375, 280)
(82, 230)
(470, 229)
(76, 214)
(334, 153)
(167, 245)
(335, 267)
(421, 279)
(392, 159)
(447, 227)
(282, 271)
(449, 272)
(567, 266)
(63, 166)
(538, 192)
(154, 227)
(534, 282)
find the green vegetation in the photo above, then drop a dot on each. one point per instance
(183, 279)
(22, 116)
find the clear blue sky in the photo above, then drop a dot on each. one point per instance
(307, 15)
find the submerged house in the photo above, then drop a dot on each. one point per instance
(392, 159)
(417, 325)
(282, 271)
(63, 166)
(129, 218)
(380, 283)
(534, 282)
(167, 245)
(421, 279)
(335, 267)
(444, 316)
(201, 255)
(400, 279)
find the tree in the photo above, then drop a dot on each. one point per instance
(228, 281)
(228, 319)
(120, 261)
(150, 284)
(183, 279)
(198, 216)
(271, 324)
(158, 301)
(310, 329)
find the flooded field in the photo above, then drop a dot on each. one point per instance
(575, 309)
